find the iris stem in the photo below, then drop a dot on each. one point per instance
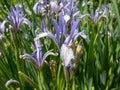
(15, 38)
(41, 81)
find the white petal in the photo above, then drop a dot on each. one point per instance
(82, 34)
(40, 35)
(49, 53)
(26, 21)
(10, 82)
(66, 54)
(54, 5)
(2, 26)
(66, 18)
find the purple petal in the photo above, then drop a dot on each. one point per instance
(62, 1)
(39, 52)
(62, 24)
(68, 40)
(74, 25)
(73, 31)
(75, 7)
(71, 4)
(29, 58)
(43, 25)
(57, 28)
(97, 12)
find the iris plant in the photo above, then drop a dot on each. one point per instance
(66, 52)
(62, 38)
(38, 58)
(17, 18)
(45, 9)
(39, 7)
(99, 14)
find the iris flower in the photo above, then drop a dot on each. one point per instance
(60, 31)
(66, 52)
(38, 58)
(99, 14)
(17, 18)
(39, 7)
(45, 9)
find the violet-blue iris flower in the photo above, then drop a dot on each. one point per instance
(38, 58)
(70, 8)
(69, 39)
(17, 18)
(60, 30)
(40, 7)
(99, 14)
(62, 39)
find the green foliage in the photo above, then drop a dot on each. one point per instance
(98, 66)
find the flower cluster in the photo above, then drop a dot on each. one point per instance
(64, 36)
(64, 30)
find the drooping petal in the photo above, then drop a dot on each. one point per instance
(49, 53)
(25, 21)
(102, 17)
(50, 35)
(82, 34)
(29, 58)
(41, 35)
(10, 82)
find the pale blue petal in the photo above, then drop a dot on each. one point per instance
(66, 54)
(29, 58)
(11, 81)
(49, 53)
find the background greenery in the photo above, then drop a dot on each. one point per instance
(99, 62)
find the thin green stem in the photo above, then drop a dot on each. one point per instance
(41, 81)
